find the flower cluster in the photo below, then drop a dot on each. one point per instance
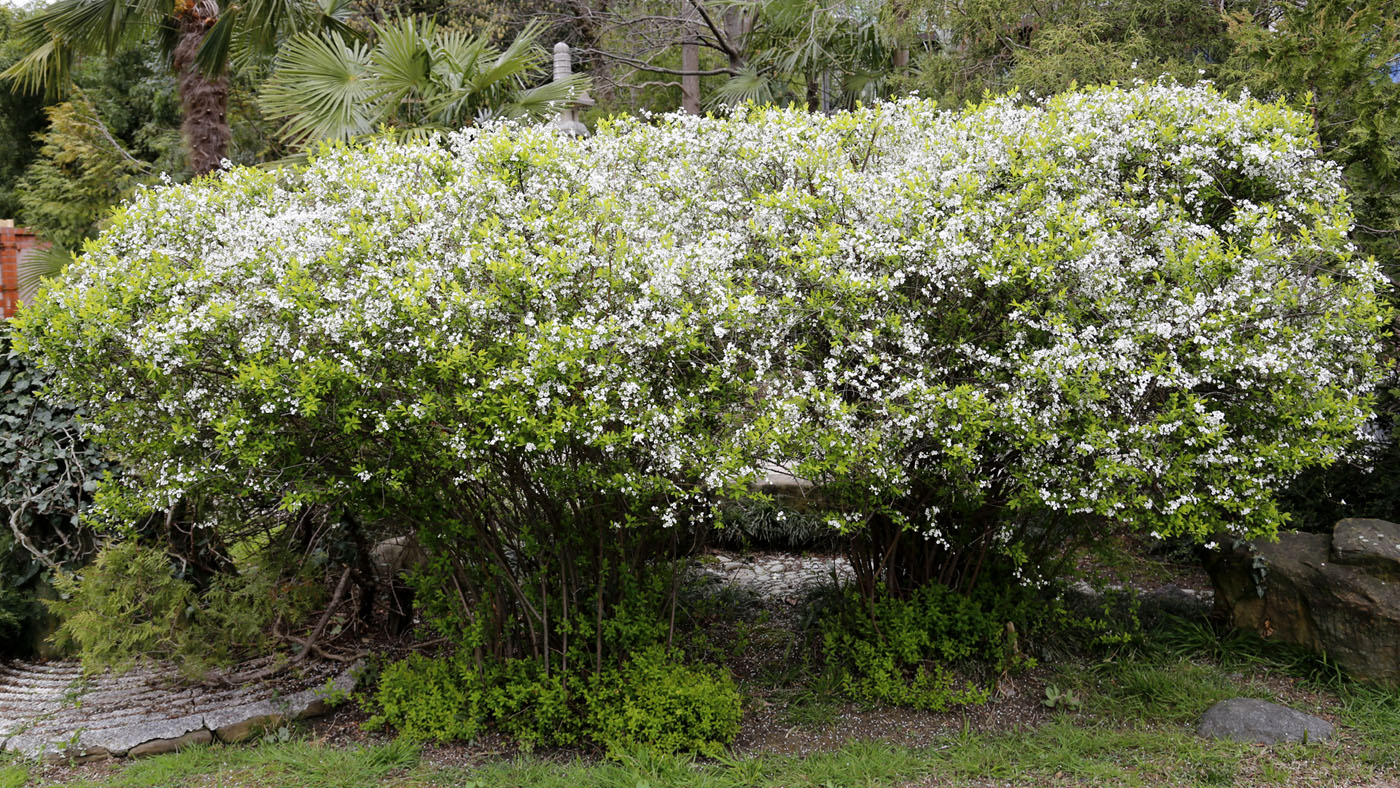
(1137, 304)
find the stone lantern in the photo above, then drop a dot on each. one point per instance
(570, 117)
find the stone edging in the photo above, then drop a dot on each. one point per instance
(52, 711)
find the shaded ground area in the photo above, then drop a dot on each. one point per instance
(1129, 719)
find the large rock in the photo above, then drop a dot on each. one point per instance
(1261, 722)
(1336, 594)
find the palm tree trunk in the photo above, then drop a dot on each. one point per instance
(690, 61)
(204, 98)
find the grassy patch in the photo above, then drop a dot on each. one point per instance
(812, 711)
(13, 775)
(1072, 749)
(297, 763)
(1161, 691)
(1374, 717)
(1095, 754)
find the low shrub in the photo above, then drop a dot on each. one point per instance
(928, 651)
(655, 702)
(939, 648)
(131, 585)
(164, 616)
(649, 700)
(426, 698)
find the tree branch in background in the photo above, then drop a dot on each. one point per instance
(645, 66)
(735, 59)
(101, 127)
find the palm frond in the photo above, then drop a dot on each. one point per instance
(335, 24)
(269, 21)
(213, 53)
(414, 78)
(748, 86)
(94, 24)
(523, 58)
(37, 264)
(341, 10)
(403, 60)
(540, 102)
(47, 68)
(322, 88)
(465, 51)
(56, 32)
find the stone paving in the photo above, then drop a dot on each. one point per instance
(51, 710)
(775, 575)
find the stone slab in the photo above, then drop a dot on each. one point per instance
(54, 711)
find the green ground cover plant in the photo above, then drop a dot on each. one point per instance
(919, 652)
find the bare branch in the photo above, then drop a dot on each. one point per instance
(645, 66)
(652, 83)
(23, 539)
(102, 128)
(723, 42)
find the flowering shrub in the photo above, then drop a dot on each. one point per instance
(1016, 325)
(975, 332)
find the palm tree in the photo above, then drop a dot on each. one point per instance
(198, 36)
(830, 53)
(413, 80)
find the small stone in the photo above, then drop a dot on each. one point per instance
(1261, 722)
(243, 729)
(160, 746)
(88, 755)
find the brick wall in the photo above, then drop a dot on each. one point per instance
(13, 240)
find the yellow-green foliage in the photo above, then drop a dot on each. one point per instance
(124, 605)
(906, 652)
(77, 177)
(652, 700)
(658, 703)
(129, 604)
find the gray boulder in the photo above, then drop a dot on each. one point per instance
(1374, 544)
(1261, 722)
(1337, 594)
